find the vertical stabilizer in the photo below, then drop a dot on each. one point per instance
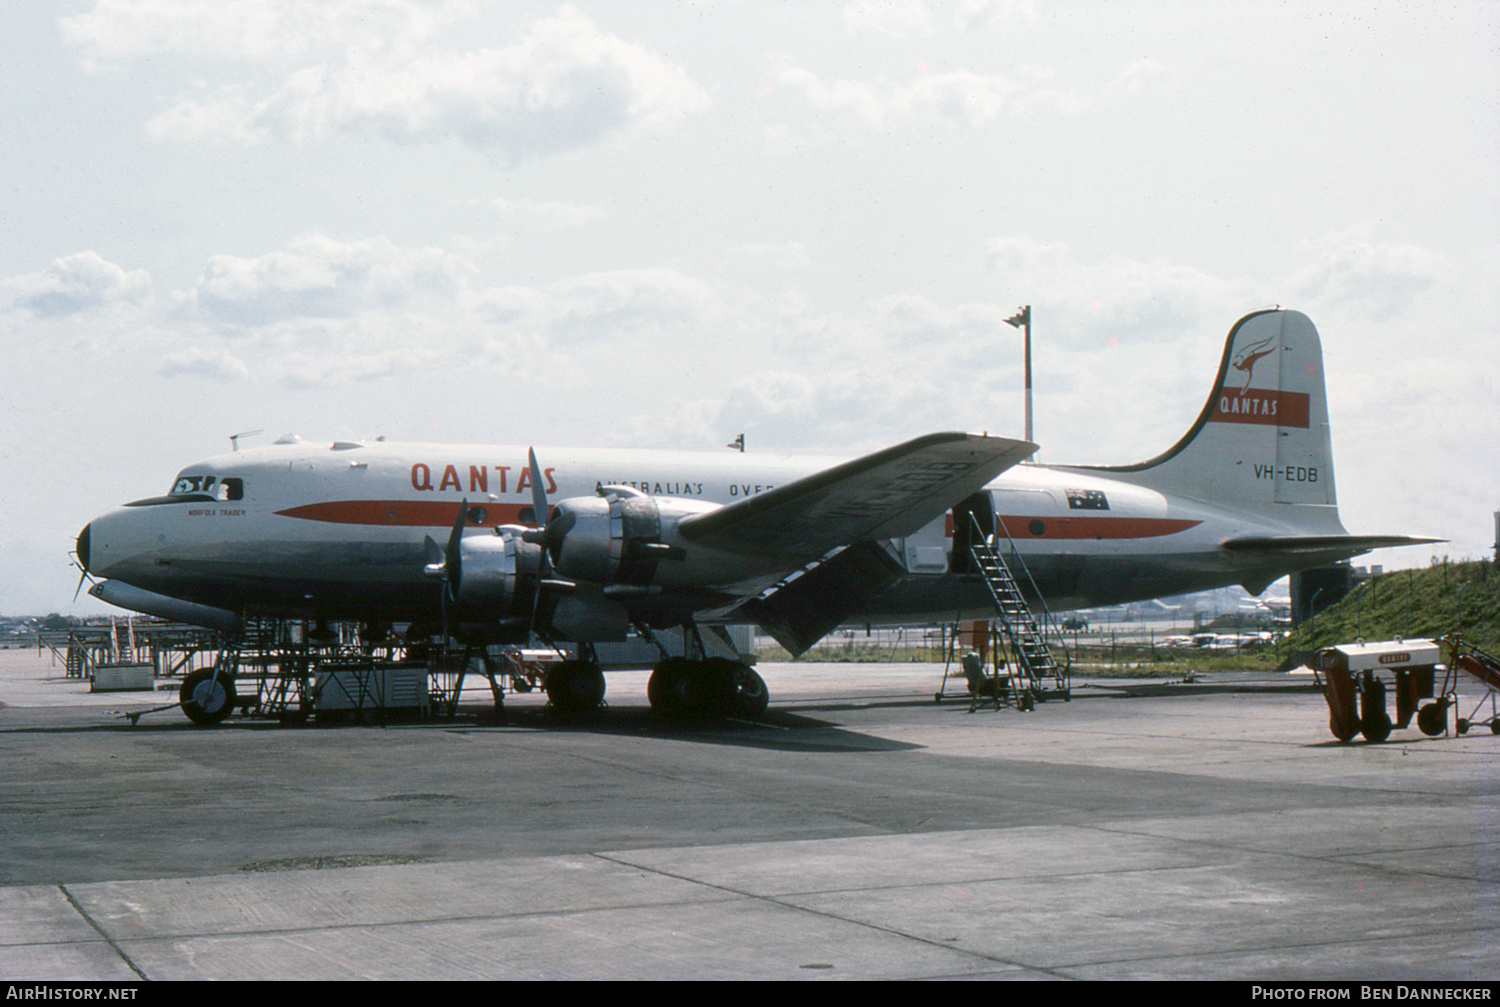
(1261, 442)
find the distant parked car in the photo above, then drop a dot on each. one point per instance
(1077, 623)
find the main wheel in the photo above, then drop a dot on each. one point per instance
(751, 697)
(575, 686)
(205, 699)
(712, 690)
(667, 690)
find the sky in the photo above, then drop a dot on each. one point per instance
(665, 224)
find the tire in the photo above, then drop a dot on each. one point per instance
(575, 687)
(712, 690)
(207, 701)
(1375, 726)
(751, 697)
(1431, 720)
(665, 690)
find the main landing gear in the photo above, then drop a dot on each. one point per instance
(715, 687)
(575, 687)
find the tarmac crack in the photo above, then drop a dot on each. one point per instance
(772, 900)
(101, 932)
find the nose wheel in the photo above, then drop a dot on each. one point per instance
(207, 696)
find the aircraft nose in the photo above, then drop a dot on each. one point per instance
(81, 547)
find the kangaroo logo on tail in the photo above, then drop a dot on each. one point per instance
(1246, 359)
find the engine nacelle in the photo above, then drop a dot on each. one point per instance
(617, 539)
(497, 575)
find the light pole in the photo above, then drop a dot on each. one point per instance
(1022, 320)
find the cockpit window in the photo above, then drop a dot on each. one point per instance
(198, 489)
(227, 488)
(190, 484)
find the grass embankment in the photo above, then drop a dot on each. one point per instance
(1428, 602)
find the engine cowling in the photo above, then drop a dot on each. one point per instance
(497, 575)
(616, 539)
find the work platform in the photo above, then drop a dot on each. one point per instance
(294, 670)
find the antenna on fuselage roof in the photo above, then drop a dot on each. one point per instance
(234, 439)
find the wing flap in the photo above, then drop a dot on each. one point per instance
(888, 494)
(802, 610)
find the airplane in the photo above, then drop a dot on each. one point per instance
(798, 545)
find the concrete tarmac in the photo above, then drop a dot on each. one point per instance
(860, 831)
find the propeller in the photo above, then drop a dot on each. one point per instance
(83, 575)
(499, 560)
(81, 558)
(548, 535)
(447, 563)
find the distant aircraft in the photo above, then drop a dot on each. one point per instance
(795, 544)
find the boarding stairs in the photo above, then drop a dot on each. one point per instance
(1038, 675)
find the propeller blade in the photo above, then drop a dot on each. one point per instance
(452, 558)
(437, 559)
(538, 491)
(539, 516)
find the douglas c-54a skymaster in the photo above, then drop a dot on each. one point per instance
(463, 537)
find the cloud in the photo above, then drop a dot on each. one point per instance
(1094, 301)
(76, 283)
(1374, 280)
(304, 371)
(1141, 75)
(318, 277)
(200, 363)
(961, 97)
(628, 302)
(978, 13)
(544, 215)
(257, 30)
(896, 18)
(564, 84)
(785, 255)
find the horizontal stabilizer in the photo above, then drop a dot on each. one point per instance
(888, 494)
(1348, 545)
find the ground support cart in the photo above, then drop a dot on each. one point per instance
(1349, 677)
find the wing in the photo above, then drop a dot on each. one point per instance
(888, 494)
